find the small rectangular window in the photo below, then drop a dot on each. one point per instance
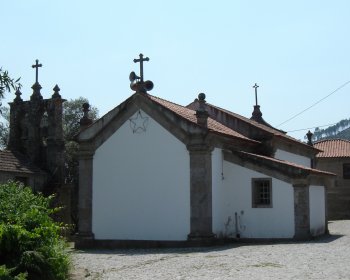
(262, 192)
(346, 170)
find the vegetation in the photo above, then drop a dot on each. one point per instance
(72, 113)
(7, 83)
(30, 243)
(4, 127)
(344, 134)
(340, 130)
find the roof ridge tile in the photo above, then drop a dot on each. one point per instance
(189, 114)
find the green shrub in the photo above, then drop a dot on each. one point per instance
(30, 243)
(6, 274)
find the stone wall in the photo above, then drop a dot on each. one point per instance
(338, 197)
(36, 132)
(37, 181)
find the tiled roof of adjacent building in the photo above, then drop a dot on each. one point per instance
(11, 161)
(333, 148)
(190, 115)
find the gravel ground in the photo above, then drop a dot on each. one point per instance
(324, 258)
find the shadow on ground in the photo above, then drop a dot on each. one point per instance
(229, 245)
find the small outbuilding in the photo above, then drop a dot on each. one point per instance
(17, 167)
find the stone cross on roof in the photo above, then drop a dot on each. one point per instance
(36, 66)
(256, 94)
(141, 60)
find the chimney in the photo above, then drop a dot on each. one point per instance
(201, 113)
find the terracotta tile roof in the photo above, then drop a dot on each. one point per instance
(11, 161)
(250, 121)
(333, 148)
(287, 163)
(276, 132)
(189, 114)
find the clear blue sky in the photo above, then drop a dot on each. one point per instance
(297, 51)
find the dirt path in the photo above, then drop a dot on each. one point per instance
(325, 258)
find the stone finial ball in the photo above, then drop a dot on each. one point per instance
(18, 92)
(86, 106)
(201, 96)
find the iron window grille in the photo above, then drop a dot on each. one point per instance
(262, 193)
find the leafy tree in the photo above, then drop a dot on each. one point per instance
(344, 134)
(4, 127)
(30, 242)
(333, 131)
(72, 113)
(7, 83)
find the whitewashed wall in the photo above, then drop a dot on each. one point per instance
(218, 194)
(317, 210)
(233, 194)
(284, 155)
(141, 186)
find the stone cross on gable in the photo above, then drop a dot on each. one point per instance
(256, 94)
(141, 60)
(36, 66)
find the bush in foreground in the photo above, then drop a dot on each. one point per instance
(30, 243)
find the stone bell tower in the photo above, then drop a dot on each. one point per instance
(36, 131)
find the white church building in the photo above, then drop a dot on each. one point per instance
(155, 173)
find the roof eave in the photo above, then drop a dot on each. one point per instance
(281, 170)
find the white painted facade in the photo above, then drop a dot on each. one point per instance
(284, 155)
(141, 191)
(141, 186)
(317, 210)
(232, 203)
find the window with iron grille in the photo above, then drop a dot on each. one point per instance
(262, 192)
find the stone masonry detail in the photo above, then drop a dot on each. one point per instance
(301, 212)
